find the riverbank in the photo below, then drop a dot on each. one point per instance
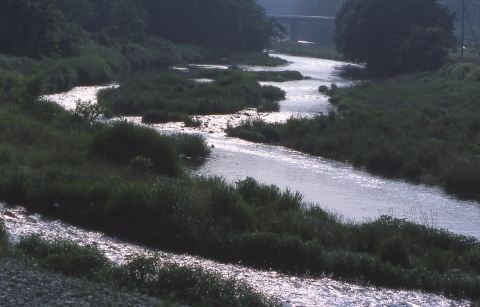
(59, 272)
(420, 127)
(98, 64)
(62, 167)
(25, 285)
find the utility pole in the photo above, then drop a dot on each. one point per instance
(476, 20)
(463, 29)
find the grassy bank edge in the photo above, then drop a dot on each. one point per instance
(174, 284)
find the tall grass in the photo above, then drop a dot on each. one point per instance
(121, 142)
(100, 63)
(160, 99)
(421, 127)
(255, 58)
(110, 178)
(3, 237)
(151, 276)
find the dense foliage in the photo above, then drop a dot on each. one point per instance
(173, 96)
(58, 27)
(51, 162)
(393, 37)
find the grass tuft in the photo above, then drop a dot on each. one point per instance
(122, 142)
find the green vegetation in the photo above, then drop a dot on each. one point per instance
(54, 162)
(273, 76)
(422, 127)
(58, 28)
(122, 142)
(313, 51)
(151, 276)
(192, 145)
(3, 238)
(460, 71)
(89, 42)
(172, 96)
(394, 37)
(96, 64)
(255, 59)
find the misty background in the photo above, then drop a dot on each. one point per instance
(322, 34)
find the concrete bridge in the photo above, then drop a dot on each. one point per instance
(296, 21)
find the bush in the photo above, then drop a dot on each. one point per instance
(121, 142)
(192, 122)
(248, 135)
(3, 237)
(323, 89)
(190, 285)
(269, 106)
(192, 145)
(394, 251)
(66, 256)
(155, 117)
(270, 92)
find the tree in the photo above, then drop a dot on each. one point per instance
(393, 36)
(130, 17)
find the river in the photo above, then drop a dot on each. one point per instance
(335, 186)
(338, 187)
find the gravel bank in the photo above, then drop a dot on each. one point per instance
(24, 285)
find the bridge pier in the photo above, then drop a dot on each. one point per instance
(294, 30)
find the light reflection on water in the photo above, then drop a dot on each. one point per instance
(308, 292)
(333, 185)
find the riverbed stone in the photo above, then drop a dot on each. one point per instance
(22, 284)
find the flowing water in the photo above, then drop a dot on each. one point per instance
(307, 292)
(336, 186)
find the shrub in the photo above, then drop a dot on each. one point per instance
(193, 122)
(3, 237)
(270, 92)
(190, 285)
(86, 110)
(155, 117)
(13, 185)
(192, 145)
(323, 89)
(66, 256)
(141, 164)
(269, 106)
(394, 251)
(121, 142)
(248, 135)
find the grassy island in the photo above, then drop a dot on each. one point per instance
(174, 96)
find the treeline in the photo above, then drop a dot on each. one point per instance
(60, 27)
(319, 7)
(303, 7)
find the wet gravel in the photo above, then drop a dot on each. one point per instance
(22, 284)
